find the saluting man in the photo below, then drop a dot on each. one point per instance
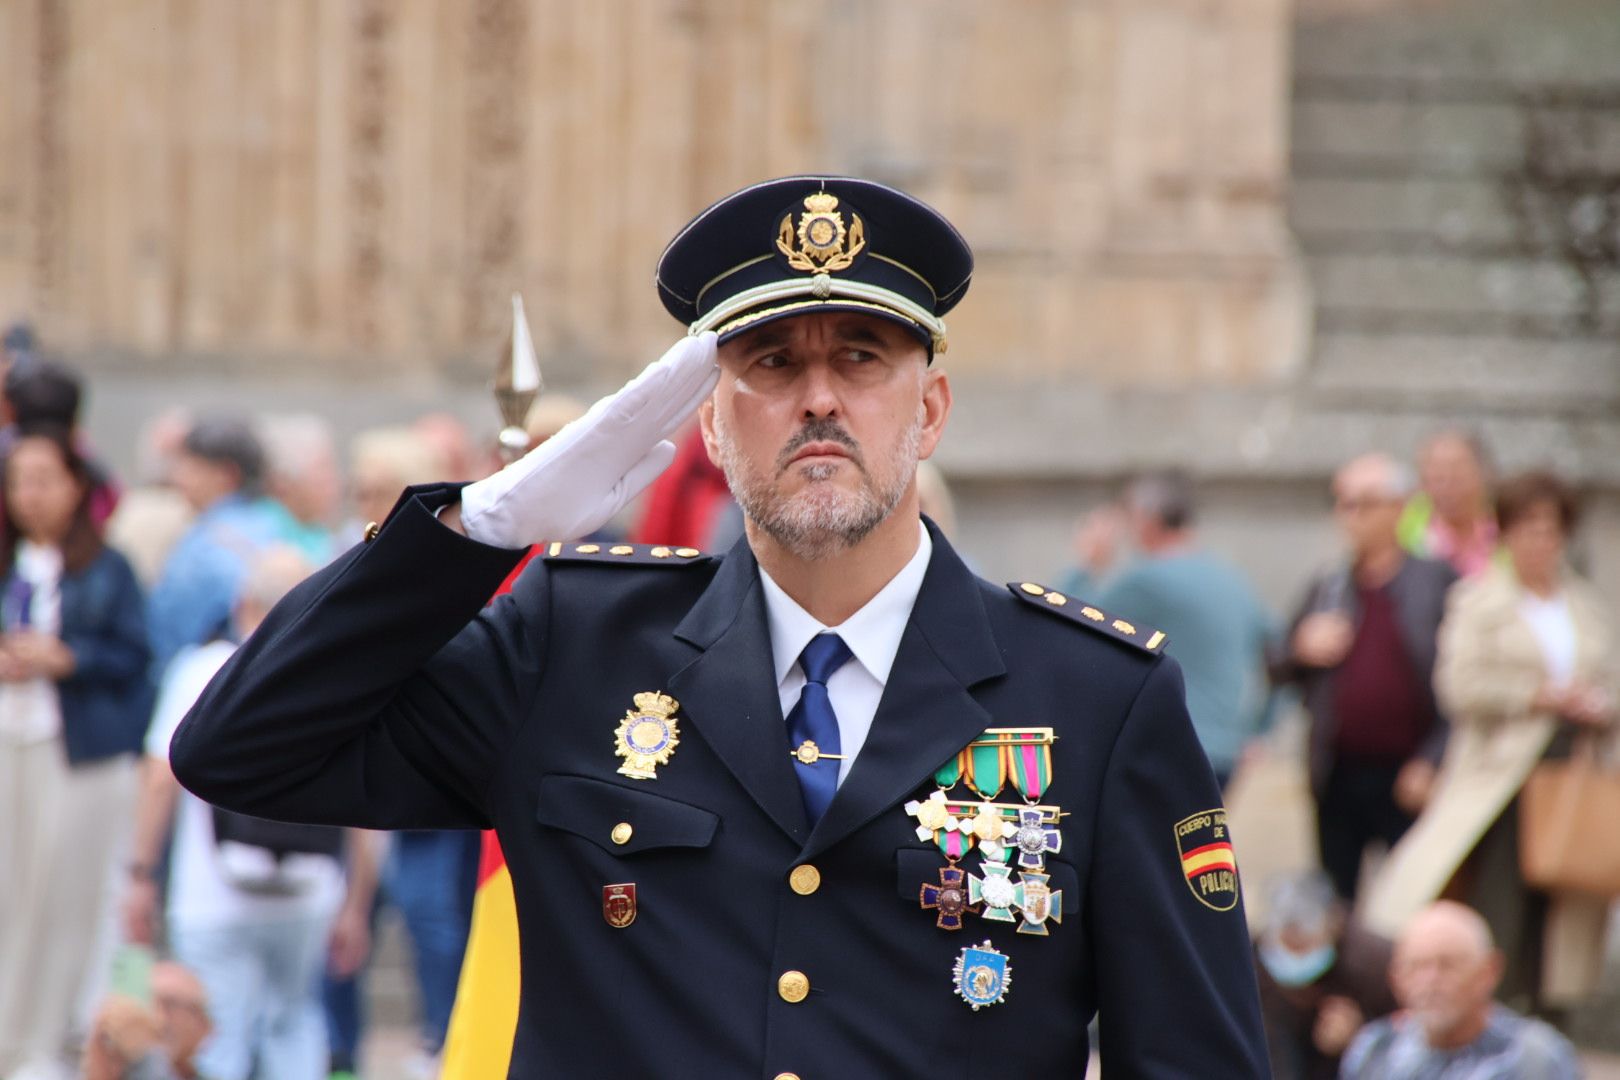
(824, 806)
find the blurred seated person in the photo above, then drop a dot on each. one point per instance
(181, 1004)
(1445, 971)
(130, 1040)
(1321, 977)
(125, 1043)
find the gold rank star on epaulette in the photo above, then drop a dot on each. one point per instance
(1078, 611)
(623, 554)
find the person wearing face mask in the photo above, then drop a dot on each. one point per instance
(1445, 971)
(1321, 977)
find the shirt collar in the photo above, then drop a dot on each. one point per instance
(873, 633)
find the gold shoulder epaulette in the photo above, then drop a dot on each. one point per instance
(1078, 611)
(624, 554)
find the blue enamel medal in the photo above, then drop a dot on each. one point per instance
(982, 975)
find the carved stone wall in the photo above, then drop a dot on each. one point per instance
(346, 185)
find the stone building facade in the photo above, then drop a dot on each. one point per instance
(1239, 235)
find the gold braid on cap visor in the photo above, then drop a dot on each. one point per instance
(735, 312)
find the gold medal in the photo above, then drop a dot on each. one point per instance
(647, 736)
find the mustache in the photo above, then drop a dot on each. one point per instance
(820, 430)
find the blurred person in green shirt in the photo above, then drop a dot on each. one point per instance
(1217, 625)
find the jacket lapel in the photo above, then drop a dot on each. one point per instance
(729, 691)
(926, 713)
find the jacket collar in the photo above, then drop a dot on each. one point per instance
(926, 713)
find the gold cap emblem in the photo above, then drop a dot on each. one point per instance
(821, 243)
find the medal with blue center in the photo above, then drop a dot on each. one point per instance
(982, 975)
(1032, 838)
(647, 735)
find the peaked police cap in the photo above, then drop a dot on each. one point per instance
(806, 244)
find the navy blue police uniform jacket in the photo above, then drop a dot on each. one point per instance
(383, 693)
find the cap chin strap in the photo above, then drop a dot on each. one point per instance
(822, 287)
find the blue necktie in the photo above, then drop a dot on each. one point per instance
(813, 720)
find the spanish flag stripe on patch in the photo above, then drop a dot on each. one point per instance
(1213, 857)
(1219, 845)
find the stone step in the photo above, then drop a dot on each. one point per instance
(1339, 136)
(1451, 371)
(1564, 43)
(1331, 213)
(1459, 293)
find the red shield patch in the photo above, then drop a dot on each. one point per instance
(619, 905)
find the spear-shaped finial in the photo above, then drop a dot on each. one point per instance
(517, 382)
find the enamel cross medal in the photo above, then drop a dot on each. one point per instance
(935, 822)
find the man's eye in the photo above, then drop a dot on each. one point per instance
(860, 356)
(773, 361)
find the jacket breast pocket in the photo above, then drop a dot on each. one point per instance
(916, 866)
(622, 820)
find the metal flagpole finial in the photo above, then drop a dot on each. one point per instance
(517, 383)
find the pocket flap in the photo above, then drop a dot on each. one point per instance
(599, 810)
(919, 865)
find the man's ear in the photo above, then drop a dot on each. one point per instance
(706, 426)
(936, 409)
(1495, 967)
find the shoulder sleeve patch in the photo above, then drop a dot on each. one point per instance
(624, 554)
(1078, 611)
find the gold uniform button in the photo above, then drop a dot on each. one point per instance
(622, 832)
(794, 986)
(787, 1076)
(805, 879)
(372, 529)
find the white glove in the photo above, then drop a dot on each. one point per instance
(573, 483)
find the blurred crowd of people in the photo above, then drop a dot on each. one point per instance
(144, 933)
(1450, 650)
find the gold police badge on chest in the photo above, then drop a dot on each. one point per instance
(647, 735)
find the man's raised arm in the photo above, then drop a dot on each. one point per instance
(382, 692)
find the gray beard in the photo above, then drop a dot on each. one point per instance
(821, 520)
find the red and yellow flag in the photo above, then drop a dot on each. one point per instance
(478, 1045)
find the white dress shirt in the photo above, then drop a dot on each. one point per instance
(1554, 628)
(873, 636)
